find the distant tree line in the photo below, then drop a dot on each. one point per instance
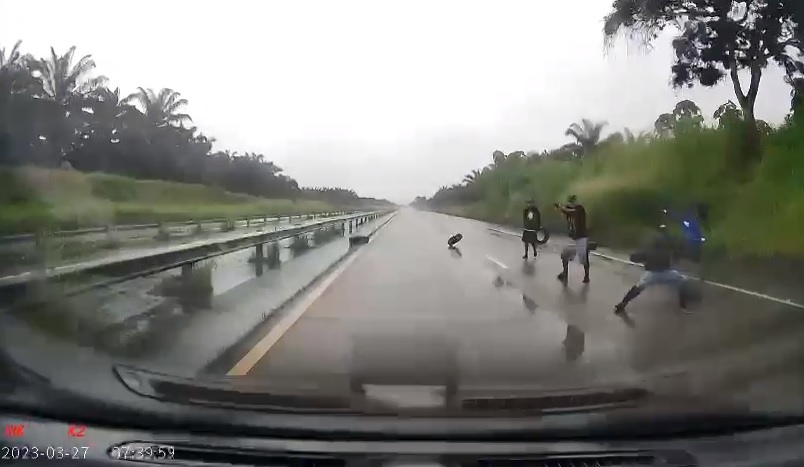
(715, 40)
(508, 171)
(54, 112)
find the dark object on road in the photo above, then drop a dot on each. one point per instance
(574, 343)
(454, 239)
(532, 237)
(358, 240)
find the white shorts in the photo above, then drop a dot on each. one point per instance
(668, 277)
(578, 249)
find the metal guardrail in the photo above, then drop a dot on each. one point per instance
(107, 271)
(28, 237)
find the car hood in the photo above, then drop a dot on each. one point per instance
(407, 400)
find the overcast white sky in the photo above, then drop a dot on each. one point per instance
(390, 98)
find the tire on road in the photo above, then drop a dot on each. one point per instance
(544, 237)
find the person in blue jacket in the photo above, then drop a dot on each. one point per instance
(692, 232)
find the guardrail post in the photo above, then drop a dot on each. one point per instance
(162, 232)
(195, 287)
(186, 271)
(110, 234)
(274, 256)
(260, 258)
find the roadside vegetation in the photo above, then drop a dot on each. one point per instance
(35, 198)
(749, 173)
(75, 152)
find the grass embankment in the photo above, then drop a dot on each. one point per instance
(33, 199)
(754, 215)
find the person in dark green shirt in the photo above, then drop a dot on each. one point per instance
(575, 214)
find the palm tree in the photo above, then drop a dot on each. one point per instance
(13, 56)
(160, 109)
(586, 133)
(64, 82)
(66, 86)
(15, 78)
(471, 177)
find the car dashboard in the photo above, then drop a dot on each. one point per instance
(30, 439)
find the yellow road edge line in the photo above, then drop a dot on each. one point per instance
(273, 336)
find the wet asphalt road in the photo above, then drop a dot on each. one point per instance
(410, 311)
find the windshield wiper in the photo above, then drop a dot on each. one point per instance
(227, 393)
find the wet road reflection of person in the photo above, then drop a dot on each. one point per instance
(573, 297)
(528, 268)
(574, 343)
(575, 340)
(529, 303)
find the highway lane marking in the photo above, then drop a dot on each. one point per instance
(496, 261)
(752, 293)
(276, 333)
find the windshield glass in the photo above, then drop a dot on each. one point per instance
(451, 208)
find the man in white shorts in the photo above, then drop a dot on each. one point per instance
(576, 223)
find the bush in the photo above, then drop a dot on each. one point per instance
(35, 198)
(625, 185)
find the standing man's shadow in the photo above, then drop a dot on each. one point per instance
(528, 268)
(529, 303)
(455, 252)
(581, 297)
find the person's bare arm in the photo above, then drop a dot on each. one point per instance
(567, 210)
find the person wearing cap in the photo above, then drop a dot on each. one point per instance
(531, 223)
(577, 231)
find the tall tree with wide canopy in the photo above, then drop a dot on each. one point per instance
(718, 39)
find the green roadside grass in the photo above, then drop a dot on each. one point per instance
(755, 238)
(624, 186)
(35, 199)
